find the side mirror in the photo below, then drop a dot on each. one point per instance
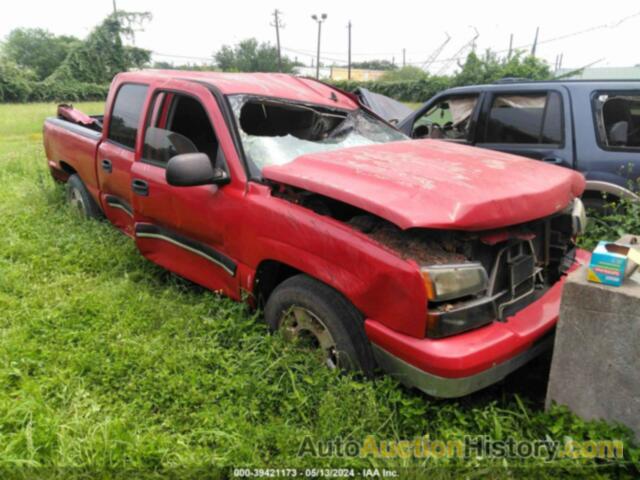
(192, 169)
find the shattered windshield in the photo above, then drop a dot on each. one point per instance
(275, 132)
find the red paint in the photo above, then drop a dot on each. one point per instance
(435, 184)
(276, 85)
(475, 351)
(75, 116)
(416, 183)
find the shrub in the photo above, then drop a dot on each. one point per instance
(48, 91)
(15, 83)
(406, 91)
(618, 218)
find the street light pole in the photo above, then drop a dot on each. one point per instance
(319, 20)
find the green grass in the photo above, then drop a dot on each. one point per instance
(413, 105)
(109, 363)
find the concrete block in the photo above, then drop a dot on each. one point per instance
(595, 369)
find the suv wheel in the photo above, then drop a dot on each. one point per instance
(315, 316)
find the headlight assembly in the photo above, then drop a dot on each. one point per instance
(454, 282)
(447, 282)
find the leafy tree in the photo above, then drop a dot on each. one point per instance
(136, 57)
(162, 65)
(404, 74)
(102, 55)
(251, 56)
(375, 65)
(477, 70)
(15, 82)
(38, 49)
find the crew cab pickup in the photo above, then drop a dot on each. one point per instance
(591, 126)
(438, 263)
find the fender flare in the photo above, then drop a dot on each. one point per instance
(610, 188)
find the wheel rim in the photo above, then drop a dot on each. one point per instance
(300, 324)
(75, 200)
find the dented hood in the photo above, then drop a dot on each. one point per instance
(435, 184)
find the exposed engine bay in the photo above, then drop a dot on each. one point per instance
(521, 262)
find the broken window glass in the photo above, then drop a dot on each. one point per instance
(448, 119)
(275, 132)
(618, 119)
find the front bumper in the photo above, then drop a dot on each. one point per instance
(461, 364)
(443, 387)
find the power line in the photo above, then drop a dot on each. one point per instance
(187, 57)
(579, 32)
(456, 56)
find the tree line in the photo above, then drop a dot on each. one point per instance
(36, 65)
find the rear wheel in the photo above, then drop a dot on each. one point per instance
(316, 317)
(80, 199)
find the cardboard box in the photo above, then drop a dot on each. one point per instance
(611, 262)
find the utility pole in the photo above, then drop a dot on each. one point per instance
(510, 46)
(114, 6)
(535, 43)
(473, 40)
(404, 57)
(278, 24)
(319, 20)
(349, 59)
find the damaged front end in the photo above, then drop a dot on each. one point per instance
(502, 272)
(472, 275)
(471, 278)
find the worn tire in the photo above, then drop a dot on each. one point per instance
(342, 320)
(80, 199)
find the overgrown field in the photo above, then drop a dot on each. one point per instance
(108, 363)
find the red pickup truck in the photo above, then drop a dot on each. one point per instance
(438, 263)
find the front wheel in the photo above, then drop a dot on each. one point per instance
(317, 317)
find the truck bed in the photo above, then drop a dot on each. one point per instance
(71, 148)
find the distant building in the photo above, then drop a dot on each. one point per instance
(357, 74)
(325, 72)
(340, 73)
(602, 73)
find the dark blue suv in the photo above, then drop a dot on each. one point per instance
(589, 126)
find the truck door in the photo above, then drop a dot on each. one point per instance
(116, 155)
(189, 230)
(534, 124)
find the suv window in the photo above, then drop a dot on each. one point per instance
(618, 119)
(178, 124)
(125, 115)
(450, 119)
(525, 118)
